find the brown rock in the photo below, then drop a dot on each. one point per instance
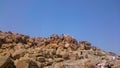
(58, 65)
(19, 46)
(67, 45)
(73, 56)
(55, 52)
(18, 53)
(22, 64)
(1, 50)
(27, 64)
(41, 59)
(116, 66)
(65, 55)
(6, 62)
(88, 64)
(49, 62)
(30, 40)
(84, 45)
(58, 59)
(7, 46)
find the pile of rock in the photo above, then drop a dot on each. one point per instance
(21, 51)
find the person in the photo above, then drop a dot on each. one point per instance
(108, 66)
(86, 55)
(100, 65)
(113, 58)
(81, 53)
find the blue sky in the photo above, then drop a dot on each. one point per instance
(97, 21)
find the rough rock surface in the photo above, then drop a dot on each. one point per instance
(22, 51)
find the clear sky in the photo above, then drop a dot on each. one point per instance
(97, 21)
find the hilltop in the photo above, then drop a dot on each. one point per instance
(57, 51)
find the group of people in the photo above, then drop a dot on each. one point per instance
(101, 65)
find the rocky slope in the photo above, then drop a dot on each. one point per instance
(22, 51)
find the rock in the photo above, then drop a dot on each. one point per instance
(49, 61)
(19, 46)
(58, 59)
(18, 53)
(69, 39)
(81, 57)
(53, 52)
(67, 45)
(6, 62)
(65, 55)
(7, 46)
(116, 66)
(22, 64)
(27, 46)
(1, 50)
(27, 64)
(58, 65)
(88, 64)
(58, 53)
(72, 65)
(41, 59)
(73, 56)
(54, 37)
(30, 40)
(84, 45)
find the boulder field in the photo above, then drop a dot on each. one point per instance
(57, 51)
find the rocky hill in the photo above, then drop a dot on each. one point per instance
(22, 51)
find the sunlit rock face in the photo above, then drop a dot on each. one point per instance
(57, 51)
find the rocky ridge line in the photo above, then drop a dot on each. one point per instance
(22, 51)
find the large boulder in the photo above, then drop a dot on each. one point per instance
(26, 64)
(18, 53)
(6, 62)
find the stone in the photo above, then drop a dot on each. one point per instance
(74, 64)
(48, 63)
(67, 45)
(58, 59)
(55, 51)
(116, 66)
(7, 46)
(18, 53)
(26, 64)
(58, 65)
(49, 60)
(88, 64)
(22, 64)
(41, 59)
(6, 62)
(8, 40)
(65, 55)
(73, 56)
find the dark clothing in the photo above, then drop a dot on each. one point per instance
(108, 66)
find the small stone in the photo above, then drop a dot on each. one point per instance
(58, 65)
(41, 59)
(58, 59)
(73, 56)
(67, 45)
